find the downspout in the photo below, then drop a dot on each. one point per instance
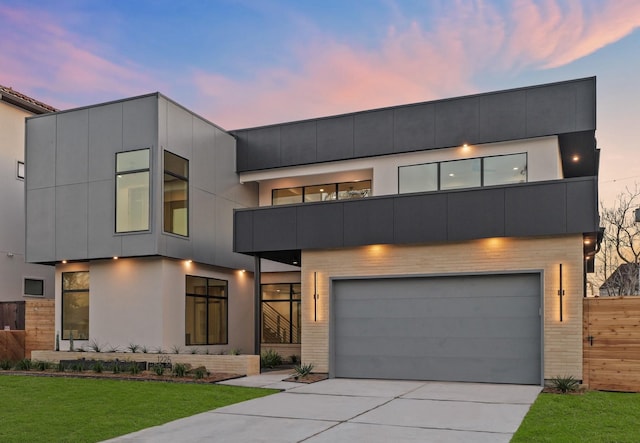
(257, 311)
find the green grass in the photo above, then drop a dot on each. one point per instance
(591, 417)
(52, 409)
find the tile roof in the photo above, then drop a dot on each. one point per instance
(24, 101)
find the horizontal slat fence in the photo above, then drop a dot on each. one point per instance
(39, 326)
(612, 343)
(12, 345)
(12, 315)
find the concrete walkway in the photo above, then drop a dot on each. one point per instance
(347, 410)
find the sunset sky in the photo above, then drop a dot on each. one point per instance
(253, 62)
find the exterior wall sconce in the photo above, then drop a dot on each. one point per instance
(637, 213)
(316, 296)
(560, 292)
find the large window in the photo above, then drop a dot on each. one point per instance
(459, 174)
(466, 173)
(504, 169)
(176, 194)
(418, 178)
(75, 305)
(281, 313)
(206, 311)
(132, 191)
(318, 193)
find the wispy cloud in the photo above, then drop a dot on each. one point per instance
(37, 54)
(418, 58)
(413, 63)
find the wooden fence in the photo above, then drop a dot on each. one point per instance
(611, 343)
(39, 326)
(12, 345)
(38, 333)
(12, 315)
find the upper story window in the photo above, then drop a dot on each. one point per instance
(132, 191)
(20, 170)
(317, 193)
(176, 194)
(466, 173)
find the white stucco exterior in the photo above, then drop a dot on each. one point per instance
(142, 301)
(13, 269)
(543, 163)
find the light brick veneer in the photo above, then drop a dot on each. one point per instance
(562, 340)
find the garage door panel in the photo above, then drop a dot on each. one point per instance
(439, 347)
(428, 305)
(463, 328)
(444, 369)
(522, 328)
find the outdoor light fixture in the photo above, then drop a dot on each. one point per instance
(560, 292)
(316, 296)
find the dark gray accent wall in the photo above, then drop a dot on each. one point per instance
(556, 207)
(553, 109)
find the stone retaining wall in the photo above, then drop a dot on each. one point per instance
(235, 364)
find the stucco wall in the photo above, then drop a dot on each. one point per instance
(562, 341)
(142, 301)
(13, 268)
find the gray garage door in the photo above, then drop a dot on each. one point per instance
(483, 328)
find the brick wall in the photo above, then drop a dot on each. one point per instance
(562, 340)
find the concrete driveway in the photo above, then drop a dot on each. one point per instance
(347, 410)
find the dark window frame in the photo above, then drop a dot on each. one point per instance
(482, 184)
(208, 297)
(128, 172)
(67, 291)
(291, 300)
(177, 176)
(24, 286)
(303, 194)
(18, 164)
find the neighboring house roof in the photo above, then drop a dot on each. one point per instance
(623, 281)
(16, 98)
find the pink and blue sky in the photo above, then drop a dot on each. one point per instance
(244, 63)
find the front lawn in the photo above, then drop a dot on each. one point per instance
(54, 409)
(591, 417)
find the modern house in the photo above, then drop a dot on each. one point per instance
(18, 280)
(426, 241)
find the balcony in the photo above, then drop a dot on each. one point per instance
(556, 207)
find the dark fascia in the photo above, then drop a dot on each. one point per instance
(580, 143)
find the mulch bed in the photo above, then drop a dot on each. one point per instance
(549, 390)
(142, 376)
(311, 378)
